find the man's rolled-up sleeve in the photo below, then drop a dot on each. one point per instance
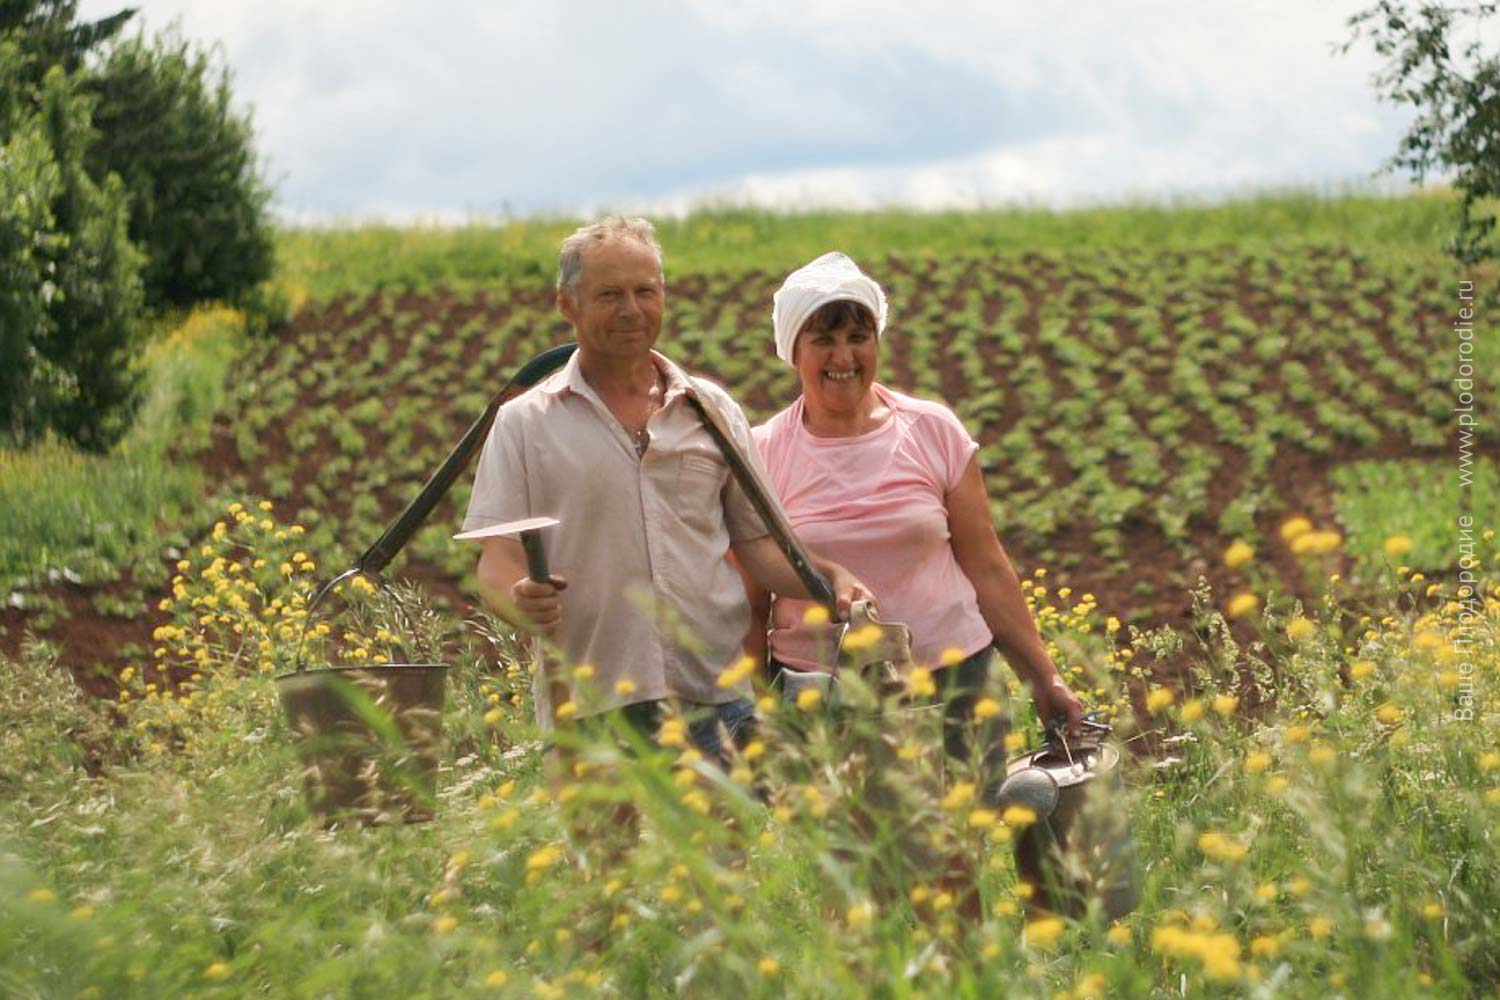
(500, 485)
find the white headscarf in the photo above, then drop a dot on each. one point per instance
(828, 279)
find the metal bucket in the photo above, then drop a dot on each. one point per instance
(1080, 848)
(369, 737)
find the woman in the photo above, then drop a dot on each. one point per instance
(888, 486)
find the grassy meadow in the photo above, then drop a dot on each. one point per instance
(1218, 444)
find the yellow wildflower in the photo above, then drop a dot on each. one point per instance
(1300, 630)
(1221, 846)
(982, 819)
(921, 684)
(960, 795)
(1397, 546)
(1294, 527)
(1018, 817)
(1044, 932)
(1241, 604)
(1238, 554)
(1225, 704)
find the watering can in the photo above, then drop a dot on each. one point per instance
(1080, 848)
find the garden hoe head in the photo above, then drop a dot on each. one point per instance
(529, 531)
(552, 691)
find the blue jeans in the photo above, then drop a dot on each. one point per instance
(737, 719)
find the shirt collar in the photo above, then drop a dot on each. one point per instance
(570, 379)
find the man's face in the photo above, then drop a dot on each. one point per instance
(617, 311)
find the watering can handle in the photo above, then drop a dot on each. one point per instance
(1056, 735)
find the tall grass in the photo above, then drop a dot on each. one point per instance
(1340, 843)
(83, 516)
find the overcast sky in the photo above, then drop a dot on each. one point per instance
(450, 109)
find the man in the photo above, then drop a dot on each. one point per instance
(644, 594)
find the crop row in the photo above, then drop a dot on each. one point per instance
(1115, 396)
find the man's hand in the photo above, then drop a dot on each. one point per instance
(539, 603)
(507, 589)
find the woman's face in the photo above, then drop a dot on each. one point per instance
(837, 367)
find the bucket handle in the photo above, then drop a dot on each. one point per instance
(299, 665)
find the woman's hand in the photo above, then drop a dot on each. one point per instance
(762, 559)
(1056, 703)
(846, 587)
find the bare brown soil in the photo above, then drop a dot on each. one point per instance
(1155, 586)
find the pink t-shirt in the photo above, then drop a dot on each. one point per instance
(875, 503)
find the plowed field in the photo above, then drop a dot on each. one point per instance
(1136, 411)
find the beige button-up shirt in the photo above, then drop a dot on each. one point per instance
(651, 598)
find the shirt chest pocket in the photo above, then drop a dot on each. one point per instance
(700, 481)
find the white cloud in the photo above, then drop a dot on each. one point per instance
(447, 109)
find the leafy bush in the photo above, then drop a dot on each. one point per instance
(197, 200)
(72, 293)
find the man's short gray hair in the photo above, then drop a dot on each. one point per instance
(616, 227)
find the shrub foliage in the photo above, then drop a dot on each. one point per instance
(123, 185)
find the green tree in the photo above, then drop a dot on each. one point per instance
(49, 34)
(198, 203)
(71, 299)
(1457, 99)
